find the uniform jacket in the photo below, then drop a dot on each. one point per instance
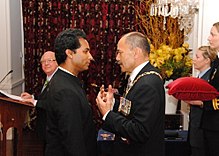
(210, 115)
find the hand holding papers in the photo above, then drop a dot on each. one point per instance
(14, 97)
(26, 97)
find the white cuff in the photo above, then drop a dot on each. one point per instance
(104, 117)
(34, 102)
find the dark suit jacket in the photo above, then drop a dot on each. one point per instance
(210, 116)
(41, 115)
(196, 137)
(144, 126)
(70, 127)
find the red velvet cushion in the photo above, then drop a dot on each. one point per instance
(191, 88)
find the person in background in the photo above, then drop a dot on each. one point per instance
(210, 118)
(137, 119)
(49, 67)
(70, 127)
(202, 60)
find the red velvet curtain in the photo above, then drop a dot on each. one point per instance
(104, 21)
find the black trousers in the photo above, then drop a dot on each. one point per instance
(197, 151)
(211, 142)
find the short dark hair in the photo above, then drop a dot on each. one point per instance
(137, 39)
(67, 39)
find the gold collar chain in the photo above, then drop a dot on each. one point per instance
(140, 76)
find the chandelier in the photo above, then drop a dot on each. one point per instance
(184, 10)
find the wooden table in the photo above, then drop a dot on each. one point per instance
(12, 114)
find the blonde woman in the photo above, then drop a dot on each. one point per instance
(202, 60)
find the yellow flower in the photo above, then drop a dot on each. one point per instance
(169, 72)
(178, 57)
(172, 63)
(185, 45)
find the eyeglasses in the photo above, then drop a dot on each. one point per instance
(49, 61)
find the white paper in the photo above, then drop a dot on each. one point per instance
(15, 97)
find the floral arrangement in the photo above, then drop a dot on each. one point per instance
(169, 53)
(172, 62)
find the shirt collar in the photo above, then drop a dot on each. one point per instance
(66, 71)
(137, 70)
(48, 78)
(203, 72)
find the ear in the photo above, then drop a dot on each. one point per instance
(208, 61)
(69, 53)
(137, 52)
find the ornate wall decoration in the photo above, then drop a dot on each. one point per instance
(104, 22)
(153, 26)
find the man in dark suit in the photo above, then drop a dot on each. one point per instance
(202, 60)
(70, 127)
(210, 119)
(49, 67)
(137, 119)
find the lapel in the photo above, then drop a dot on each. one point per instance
(148, 67)
(214, 68)
(43, 93)
(206, 76)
